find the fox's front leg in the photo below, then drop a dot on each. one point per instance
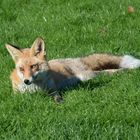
(56, 96)
(53, 92)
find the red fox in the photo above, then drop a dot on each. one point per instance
(34, 72)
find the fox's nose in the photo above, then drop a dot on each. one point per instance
(27, 82)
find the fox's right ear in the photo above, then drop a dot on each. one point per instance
(38, 48)
(14, 52)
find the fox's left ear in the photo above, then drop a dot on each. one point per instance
(14, 52)
(38, 48)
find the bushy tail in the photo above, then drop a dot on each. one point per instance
(104, 63)
(98, 62)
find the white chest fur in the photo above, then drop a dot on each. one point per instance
(29, 88)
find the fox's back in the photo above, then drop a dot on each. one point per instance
(95, 62)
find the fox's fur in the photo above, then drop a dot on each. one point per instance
(33, 71)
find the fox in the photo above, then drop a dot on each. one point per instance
(33, 71)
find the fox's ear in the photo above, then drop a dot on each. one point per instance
(38, 48)
(14, 52)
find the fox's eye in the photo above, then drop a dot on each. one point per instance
(34, 66)
(21, 69)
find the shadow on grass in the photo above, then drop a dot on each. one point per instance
(89, 85)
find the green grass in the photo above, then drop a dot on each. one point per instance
(105, 108)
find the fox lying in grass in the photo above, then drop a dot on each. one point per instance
(34, 72)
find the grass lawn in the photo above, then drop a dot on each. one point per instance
(105, 108)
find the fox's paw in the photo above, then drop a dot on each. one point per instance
(58, 99)
(56, 96)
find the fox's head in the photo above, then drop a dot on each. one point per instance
(30, 62)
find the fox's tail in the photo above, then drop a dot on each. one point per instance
(104, 61)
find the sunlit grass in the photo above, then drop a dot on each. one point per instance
(105, 108)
